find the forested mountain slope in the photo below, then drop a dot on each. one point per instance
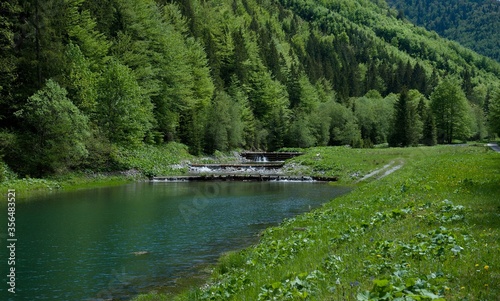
(472, 23)
(83, 79)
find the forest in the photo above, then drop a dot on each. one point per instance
(84, 81)
(474, 24)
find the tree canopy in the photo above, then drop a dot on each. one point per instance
(472, 23)
(229, 74)
(451, 109)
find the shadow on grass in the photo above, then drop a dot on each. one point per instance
(485, 205)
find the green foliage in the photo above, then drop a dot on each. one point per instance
(232, 74)
(8, 13)
(293, 287)
(152, 160)
(225, 125)
(494, 116)
(405, 289)
(300, 132)
(248, 124)
(451, 111)
(374, 115)
(478, 123)
(396, 238)
(122, 113)
(81, 81)
(57, 131)
(471, 23)
(407, 125)
(342, 124)
(429, 135)
(6, 174)
(153, 297)
(81, 28)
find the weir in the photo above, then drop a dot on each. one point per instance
(243, 177)
(264, 166)
(269, 156)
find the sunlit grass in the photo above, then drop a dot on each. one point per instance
(430, 230)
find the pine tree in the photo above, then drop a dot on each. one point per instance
(293, 86)
(224, 127)
(41, 43)
(407, 124)
(428, 124)
(9, 11)
(82, 31)
(278, 123)
(401, 125)
(241, 103)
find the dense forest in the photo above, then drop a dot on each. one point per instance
(472, 23)
(82, 80)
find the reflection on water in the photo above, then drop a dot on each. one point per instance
(118, 241)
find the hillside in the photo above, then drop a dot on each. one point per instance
(474, 24)
(84, 80)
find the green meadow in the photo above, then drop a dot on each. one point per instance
(430, 230)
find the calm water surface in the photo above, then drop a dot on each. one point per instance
(81, 245)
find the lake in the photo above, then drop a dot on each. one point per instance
(116, 242)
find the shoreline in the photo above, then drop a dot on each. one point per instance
(445, 174)
(418, 200)
(28, 188)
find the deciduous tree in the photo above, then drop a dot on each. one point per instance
(123, 114)
(494, 109)
(451, 111)
(57, 131)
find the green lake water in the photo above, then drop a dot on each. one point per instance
(80, 245)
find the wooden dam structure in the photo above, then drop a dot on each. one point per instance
(269, 156)
(258, 166)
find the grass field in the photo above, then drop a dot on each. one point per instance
(428, 231)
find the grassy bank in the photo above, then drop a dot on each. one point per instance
(125, 166)
(428, 231)
(29, 187)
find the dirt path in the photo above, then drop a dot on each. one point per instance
(494, 147)
(384, 171)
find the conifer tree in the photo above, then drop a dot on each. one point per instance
(9, 11)
(428, 124)
(401, 124)
(407, 126)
